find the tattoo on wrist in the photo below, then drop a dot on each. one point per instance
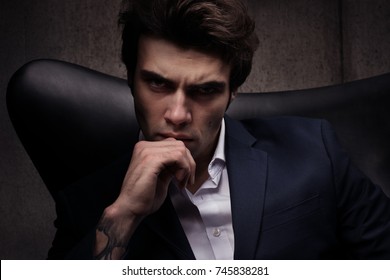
(116, 246)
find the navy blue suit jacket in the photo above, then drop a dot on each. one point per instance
(294, 195)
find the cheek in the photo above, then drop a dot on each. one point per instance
(212, 122)
(144, 113)
(145, 106)
(148, 118)
(216, 113)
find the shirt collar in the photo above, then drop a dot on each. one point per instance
(218, 161)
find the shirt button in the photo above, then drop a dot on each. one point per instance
(217, 232)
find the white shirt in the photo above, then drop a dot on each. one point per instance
(206, 215)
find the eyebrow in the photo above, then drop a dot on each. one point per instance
(150, 75)
(219, 86)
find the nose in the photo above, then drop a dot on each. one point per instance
(178, 112)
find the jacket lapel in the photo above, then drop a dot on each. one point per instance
(247, 169)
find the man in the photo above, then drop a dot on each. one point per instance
(199, 185)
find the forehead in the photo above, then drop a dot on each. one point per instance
(172, 61)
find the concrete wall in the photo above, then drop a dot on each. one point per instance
(304, 43)
(299, 44)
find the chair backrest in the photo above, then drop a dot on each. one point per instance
(73, 120)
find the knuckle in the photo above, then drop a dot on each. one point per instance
(180, 153)
(181, 147)
(139, 146)
(142, 150)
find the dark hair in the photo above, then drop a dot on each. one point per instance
(218, 26)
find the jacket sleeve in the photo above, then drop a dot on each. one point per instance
(79, 207)
(363, 210)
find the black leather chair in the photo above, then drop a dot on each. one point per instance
(73, 120)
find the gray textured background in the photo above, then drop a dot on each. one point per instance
(303, 44)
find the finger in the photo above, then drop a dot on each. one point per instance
(169, 139)
(193, 168)
(186, 174)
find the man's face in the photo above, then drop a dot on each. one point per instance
(180, 93)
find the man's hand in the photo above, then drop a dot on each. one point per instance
(145, 187)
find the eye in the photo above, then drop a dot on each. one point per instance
(156, 84)
(207, 90)
(160, 85)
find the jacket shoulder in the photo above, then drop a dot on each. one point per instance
(288, 128)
